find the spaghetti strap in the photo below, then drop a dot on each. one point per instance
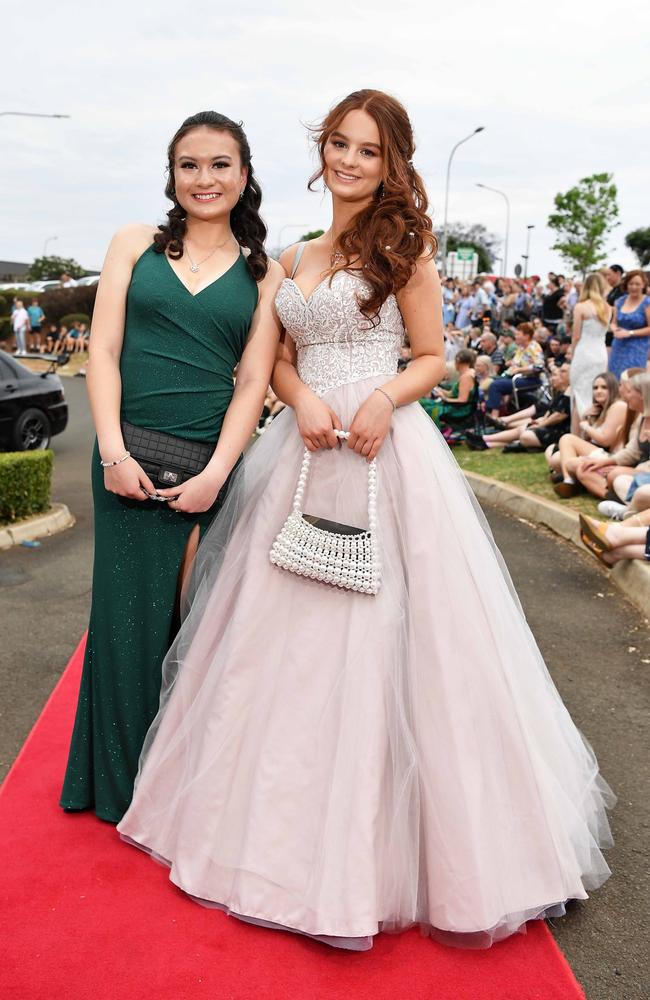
(296, 259)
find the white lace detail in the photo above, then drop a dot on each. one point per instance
(335, 342)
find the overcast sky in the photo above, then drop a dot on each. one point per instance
(561, 88)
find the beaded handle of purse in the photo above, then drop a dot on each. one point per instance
(372, 484)
(350, 561)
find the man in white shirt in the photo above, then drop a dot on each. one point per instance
(21, 327)
(481, 301)
(67, 281)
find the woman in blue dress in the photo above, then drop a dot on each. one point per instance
(631, 325)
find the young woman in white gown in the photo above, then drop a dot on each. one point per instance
(591, 318)
(338, 763)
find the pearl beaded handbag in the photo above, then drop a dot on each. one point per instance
(333, 553)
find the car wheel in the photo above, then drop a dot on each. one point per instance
(32, 431)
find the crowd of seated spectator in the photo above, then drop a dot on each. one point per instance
(60, 339)
(509, 345)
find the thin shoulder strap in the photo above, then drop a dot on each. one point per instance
(296, 259)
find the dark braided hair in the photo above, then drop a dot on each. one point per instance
(245, 221)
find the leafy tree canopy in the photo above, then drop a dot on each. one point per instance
(584, 217)
(49, 268)
(485, 243)
(314, 234)
(639, 243)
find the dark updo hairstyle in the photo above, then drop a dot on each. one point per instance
(466, 356)
(390, 234)
(245, 221)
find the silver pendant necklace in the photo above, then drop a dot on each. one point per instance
(335, 255)
(194, 267)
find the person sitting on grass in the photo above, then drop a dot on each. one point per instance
(554, 350)
(488, 345)
(51, 337)
(485, 372)
(533, 428)
(613, 542)
(601, 429)
(506, 344)
(74, 340)
(597, 473)
(62, 339)
(84, 336)
(527, 360)
(460, 400)
(541, 332)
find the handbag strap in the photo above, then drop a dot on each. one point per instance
(372, 484)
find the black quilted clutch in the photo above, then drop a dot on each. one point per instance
(167, 460)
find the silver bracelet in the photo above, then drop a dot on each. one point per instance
(384, 393)
(108, 465)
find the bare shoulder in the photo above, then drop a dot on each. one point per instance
(272, 279)
(275, 273)
(132, 240)
(425, 277)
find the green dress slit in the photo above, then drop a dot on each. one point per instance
(177, 363)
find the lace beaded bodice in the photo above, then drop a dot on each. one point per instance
(334, 341)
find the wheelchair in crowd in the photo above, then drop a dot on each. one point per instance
(454, 428)
(530, 395)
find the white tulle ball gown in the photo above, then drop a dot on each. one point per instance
(338, 764)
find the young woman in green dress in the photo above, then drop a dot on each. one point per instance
(178, 308)
(459, 400)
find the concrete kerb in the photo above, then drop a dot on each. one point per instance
(632, 577)
(58, 518)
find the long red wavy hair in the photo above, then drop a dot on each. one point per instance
(393, 231)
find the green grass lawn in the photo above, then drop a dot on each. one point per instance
(528, 472)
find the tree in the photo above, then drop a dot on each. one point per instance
(313, 235)
(46, 268)
(485, 243)
(585, 216)
(639, 243)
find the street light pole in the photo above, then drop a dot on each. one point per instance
(444, 230)
(527, 254)
(48, 240)
(505, 248)
(30, 114)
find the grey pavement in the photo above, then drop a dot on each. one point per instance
(596, 645)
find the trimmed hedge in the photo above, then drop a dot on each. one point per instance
(60, 302)
(71, 318)
(25, 483)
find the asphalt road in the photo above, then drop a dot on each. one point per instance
(596, 645)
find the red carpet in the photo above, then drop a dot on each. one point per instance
(85, 917)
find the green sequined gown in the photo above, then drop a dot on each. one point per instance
(177, 365)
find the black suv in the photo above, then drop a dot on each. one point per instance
(32, 406)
